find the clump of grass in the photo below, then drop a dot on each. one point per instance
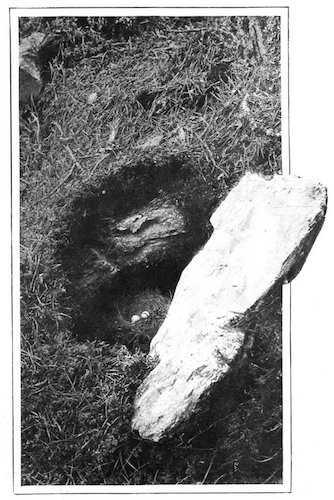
(77, 409)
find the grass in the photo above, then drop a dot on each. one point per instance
(132, 107)
(77, 388)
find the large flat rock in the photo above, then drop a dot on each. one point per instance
(262, 234)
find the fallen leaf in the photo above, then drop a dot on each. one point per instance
(182, 134)
(244, 105)
(112, 135)
(151, 142)
(92, 98)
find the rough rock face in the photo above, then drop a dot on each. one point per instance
(149, 234)
(263, 232)
(30, 76)
(149, 231)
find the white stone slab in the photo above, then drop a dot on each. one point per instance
(263, 232)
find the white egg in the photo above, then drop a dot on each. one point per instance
(145, 314)
(135, 318)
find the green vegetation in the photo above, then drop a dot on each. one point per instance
(208, 101)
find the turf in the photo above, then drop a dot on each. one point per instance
(131, 106)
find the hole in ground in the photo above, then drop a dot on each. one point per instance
(109, 319)
(108, 316)
(105, 275)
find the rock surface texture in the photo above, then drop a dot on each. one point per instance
(149, 234)
(30, 75)
(263, 232)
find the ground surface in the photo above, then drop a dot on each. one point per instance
(152, 103)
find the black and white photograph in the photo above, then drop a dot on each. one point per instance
(160, 230)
